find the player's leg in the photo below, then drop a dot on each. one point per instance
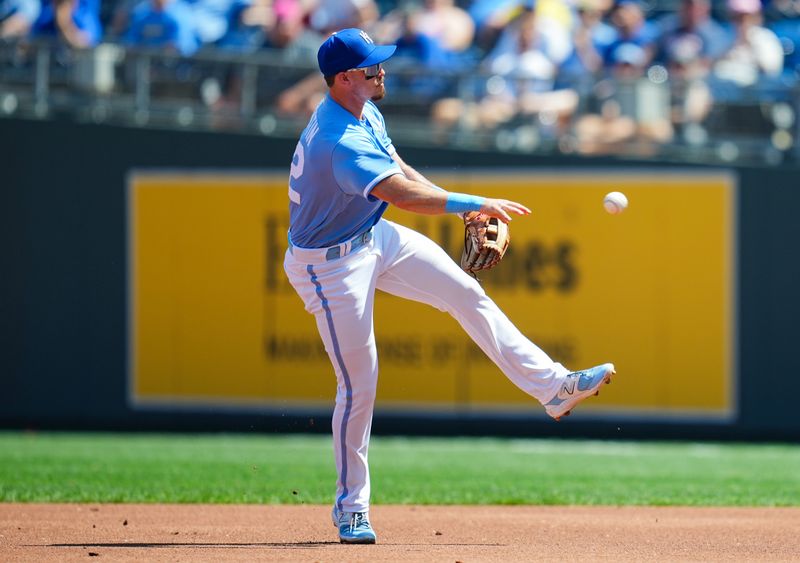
(340, 295)
(414, 267)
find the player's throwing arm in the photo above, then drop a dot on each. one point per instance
(417, 197)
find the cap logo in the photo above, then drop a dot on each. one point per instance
(366, 37)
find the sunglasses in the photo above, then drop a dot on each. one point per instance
(370, 72)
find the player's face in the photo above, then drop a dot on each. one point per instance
(372, 81)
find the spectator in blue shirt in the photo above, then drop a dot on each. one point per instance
(248, 24)
(17, 17)
(629, 114)
(418, 61)
(417, 48)
(690, 44)
(210, 18)
(522, 71)
(691, 38)
(631, 28)
(591, 37)
(788, 32)
(77, 22)
(162, 23)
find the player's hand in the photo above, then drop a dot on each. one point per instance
(503, 209)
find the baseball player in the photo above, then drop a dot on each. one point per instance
(344, 173)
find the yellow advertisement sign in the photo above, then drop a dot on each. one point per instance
(214, 321)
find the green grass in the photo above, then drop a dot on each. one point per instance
(55, 467)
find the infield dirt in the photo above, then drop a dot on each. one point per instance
(136, 532)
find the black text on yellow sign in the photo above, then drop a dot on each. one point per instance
(214, 320)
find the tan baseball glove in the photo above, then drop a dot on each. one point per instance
(486, 240)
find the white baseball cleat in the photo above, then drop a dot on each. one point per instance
(354, 527)
(576, 387)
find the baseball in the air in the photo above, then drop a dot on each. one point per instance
(615, 202)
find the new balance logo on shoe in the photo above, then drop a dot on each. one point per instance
(568, 388)
(576, 387)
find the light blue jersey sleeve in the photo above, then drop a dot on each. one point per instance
(358, 164)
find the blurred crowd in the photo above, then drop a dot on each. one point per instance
(609, 70)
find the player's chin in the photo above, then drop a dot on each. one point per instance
(379, 94)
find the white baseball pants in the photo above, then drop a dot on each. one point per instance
(340, 294)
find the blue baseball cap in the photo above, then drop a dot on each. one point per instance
(351, 48)
(628, 53)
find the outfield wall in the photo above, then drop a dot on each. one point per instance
(142, 289)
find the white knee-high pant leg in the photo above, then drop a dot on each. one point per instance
(340, 295)
(414, 267)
